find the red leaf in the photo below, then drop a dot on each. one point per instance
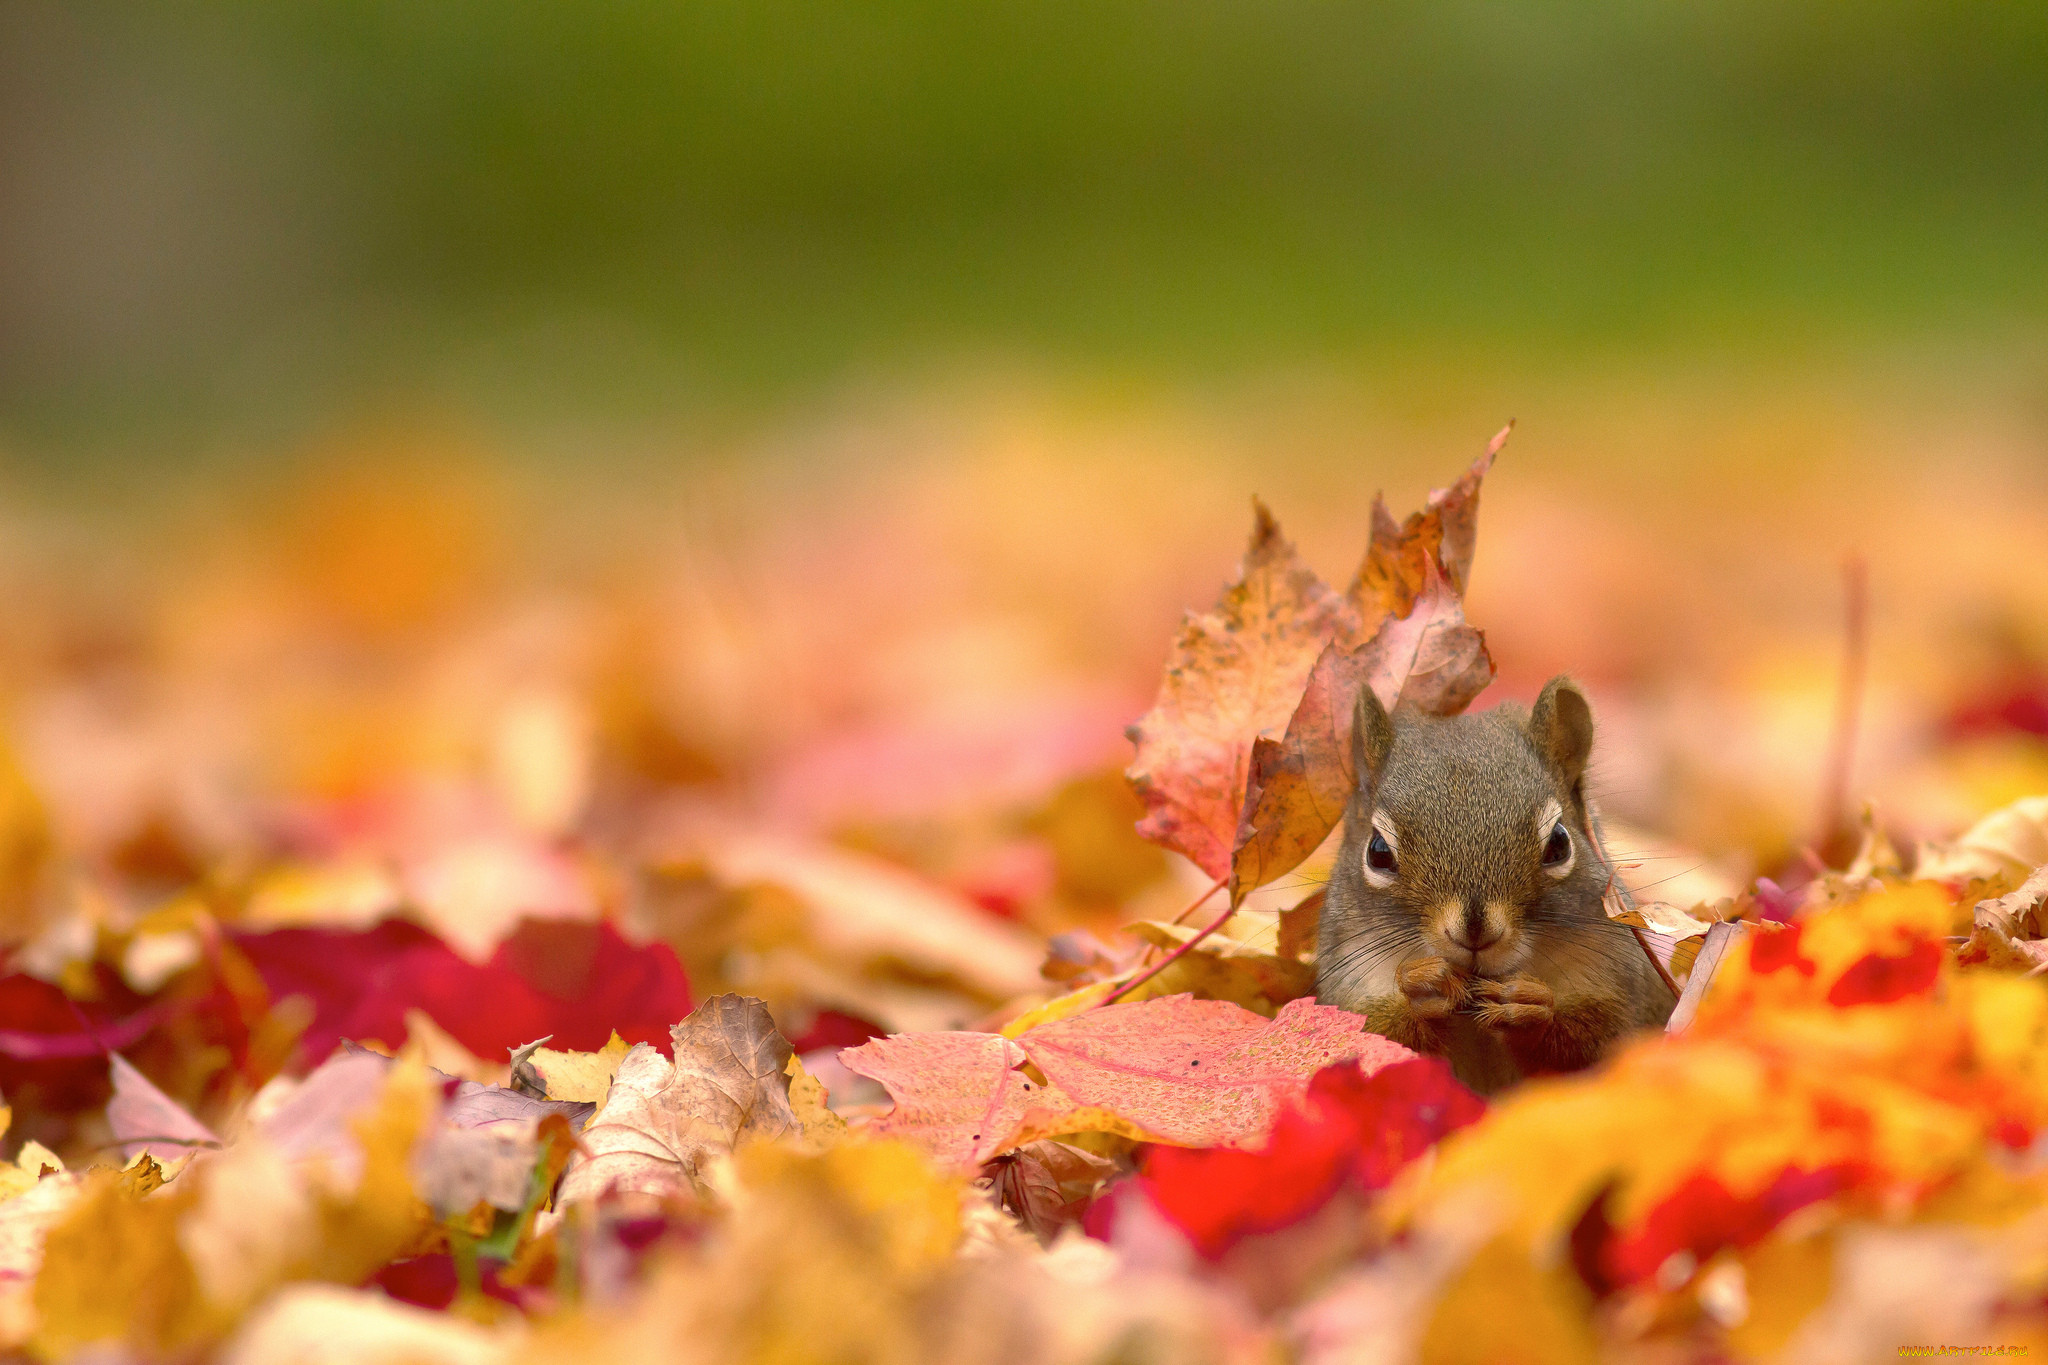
(1703, 1215)
(1196, 1072)
(1876, 979)
(1350, 1127)
(1773, 952)
(576, 981)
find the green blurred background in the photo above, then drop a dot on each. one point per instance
(244, 220)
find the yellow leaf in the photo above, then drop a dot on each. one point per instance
(807, 1102)
(35, 1158)
(1060, 1007)
(583, 1077)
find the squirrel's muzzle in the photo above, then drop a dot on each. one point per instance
(1472, 925)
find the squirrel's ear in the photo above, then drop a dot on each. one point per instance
(1561, 723)
(1372, 736)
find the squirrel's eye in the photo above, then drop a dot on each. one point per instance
(1379, 855)
(1558, 848)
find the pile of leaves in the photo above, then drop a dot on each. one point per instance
(600, 1054)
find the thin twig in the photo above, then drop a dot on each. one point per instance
(1176, 955)
(1196, 903)
(1848, 700)
(1662, 971)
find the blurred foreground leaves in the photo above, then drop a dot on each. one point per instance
(407, 964)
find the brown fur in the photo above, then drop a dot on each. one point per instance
(1474, 952)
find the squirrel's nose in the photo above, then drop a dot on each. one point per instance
(1476, 930)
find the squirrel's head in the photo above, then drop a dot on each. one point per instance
(1470, 833)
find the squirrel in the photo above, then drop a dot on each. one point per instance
(1464, 915)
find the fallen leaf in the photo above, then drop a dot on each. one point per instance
(661, 1122)
(1222, 968)
(1348, 1127)
(1420, 653)
(1236, 673)
(26, 1217)
(2012, 840)
(578, 982)
(145, 1119)
(578, 1076)
(1200, 1073)
(455, 1169)
(960, 1097)
(1429, 659)
(330, 1325)
(1300, 783)
(1045, 1185)
(430, 1045)
(807, 1101)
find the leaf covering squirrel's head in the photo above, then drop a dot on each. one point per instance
(1470, 833)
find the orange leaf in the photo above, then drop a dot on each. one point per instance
(1236, 673)
(1446, 530)
(1299, 784)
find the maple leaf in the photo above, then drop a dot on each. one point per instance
(575, 981)
(661, 1122)
(1299, 784)
(1181, 1070)
(1200, 1073)
(1236, 672)
(1348, 1127)
(1444, 533)
(960, 1097)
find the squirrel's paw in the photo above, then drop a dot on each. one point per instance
(1520, 1002)
(1433, 988)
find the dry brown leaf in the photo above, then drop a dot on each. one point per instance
(1446, 530)
(1236, 674)
(1046, 1185)
(2007, 931)
(662, 1122)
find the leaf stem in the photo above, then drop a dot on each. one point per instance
(1178, 953)
(1834, 801)
(1196, 903)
